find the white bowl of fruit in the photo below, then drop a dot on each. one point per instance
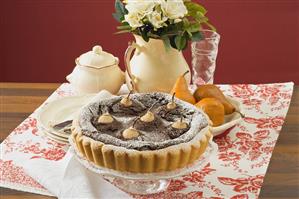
(223, 111)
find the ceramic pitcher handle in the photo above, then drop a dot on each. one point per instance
(127, 57)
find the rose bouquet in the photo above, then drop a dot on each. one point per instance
(174, 21)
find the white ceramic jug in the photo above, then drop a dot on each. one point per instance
(96, 70)
(152, 67)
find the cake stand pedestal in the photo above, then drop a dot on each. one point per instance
(144, 183)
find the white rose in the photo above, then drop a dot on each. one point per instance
(134, 19)
(174, 9)
(142, 7)
(156, 19)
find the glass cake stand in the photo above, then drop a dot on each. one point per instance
(139, 183)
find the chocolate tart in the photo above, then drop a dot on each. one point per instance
(158, 145)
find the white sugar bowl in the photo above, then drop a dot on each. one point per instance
(96, 70)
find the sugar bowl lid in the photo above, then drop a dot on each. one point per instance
(96, 58)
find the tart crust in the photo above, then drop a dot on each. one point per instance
(130, 160)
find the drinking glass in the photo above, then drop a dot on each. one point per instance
(204, 54)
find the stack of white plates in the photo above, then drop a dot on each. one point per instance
(51, 117)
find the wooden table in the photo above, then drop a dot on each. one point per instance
(18, 100)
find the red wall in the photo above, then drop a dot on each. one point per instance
(41, 38)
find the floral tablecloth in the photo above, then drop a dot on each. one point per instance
(236, 172)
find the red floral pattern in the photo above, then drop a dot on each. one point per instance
(230, 156)
(52, 150)
(55, 152)
(243, 91)
(29, 123)
(237, 173)
(269, 93)
(177, 185)
(198, 176)
(240, 196)
(172, 195)
(270, 122)
(241, 185)
(13, 174)
(49, 154)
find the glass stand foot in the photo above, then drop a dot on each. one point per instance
(141, 186)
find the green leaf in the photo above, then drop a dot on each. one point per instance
(200, 18)
(118, 17)
(196, 36)
(193, 8)
(172, 42)
(186, 23)
(120, 11)
(189, 33)
(124, 27)
(144, 35)
(123, 31)
(166, 42)
(194, 27)
(119, 7)
(180, 42)
(189, 27)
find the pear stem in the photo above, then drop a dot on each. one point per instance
(242, 115)
(172, 98)
(185, 73)
(181, 119)
(131, 91)
(133, 86)
(152, 106)
(133, 125)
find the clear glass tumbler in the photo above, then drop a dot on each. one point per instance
(204, 54)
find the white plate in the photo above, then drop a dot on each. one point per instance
(59, 111)
(229, 120)
(56, 138)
